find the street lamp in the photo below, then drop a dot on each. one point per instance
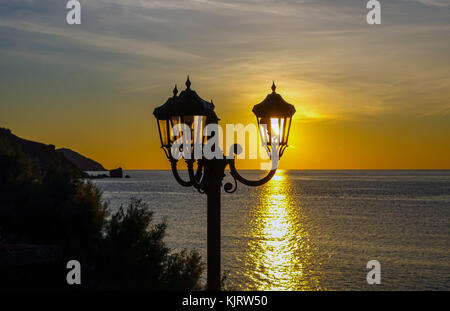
(274, 117)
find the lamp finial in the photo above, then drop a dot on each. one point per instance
(274, 87)
(175, 91)
(188, 83)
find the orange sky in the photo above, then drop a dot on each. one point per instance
(367, 97)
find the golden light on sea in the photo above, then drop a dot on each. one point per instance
(279, 250)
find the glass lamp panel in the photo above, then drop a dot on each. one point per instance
(189, 121)
(287, 129)
(163, 132)
(197, 128)
(175, 121)
(283, 130)
(263, 131)
(282, 126)
(275, 133)
(204, 123)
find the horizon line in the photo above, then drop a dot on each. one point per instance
(302, 169)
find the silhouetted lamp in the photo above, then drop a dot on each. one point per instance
(188, 108)
(274, 117)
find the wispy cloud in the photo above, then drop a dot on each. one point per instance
(324, 48)
(94, 85)
(436, 3)
(105, 43)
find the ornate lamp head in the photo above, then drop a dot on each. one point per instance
(274, 117)
(187, 108)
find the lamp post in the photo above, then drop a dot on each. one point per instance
(274, 117)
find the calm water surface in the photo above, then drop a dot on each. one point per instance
(312, 230)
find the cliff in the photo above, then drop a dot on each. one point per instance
(82, 162)
(46, 155)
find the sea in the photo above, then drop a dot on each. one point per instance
(311, 230)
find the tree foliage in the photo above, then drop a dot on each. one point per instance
(49, 204)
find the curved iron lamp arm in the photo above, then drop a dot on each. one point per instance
(200, 170)
(176, 175)
(253, 183)
(197, 179)
(173, 164)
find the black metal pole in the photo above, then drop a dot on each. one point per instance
(215, 176)
(213, 239)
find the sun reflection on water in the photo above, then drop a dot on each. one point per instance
(279, 250)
